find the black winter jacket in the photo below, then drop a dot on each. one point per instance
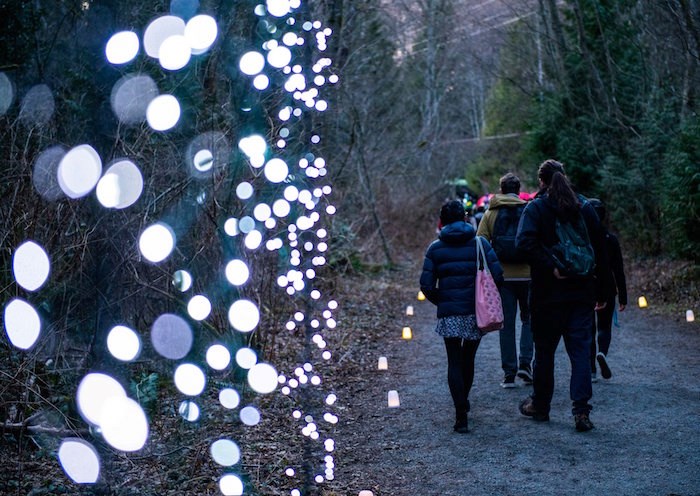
(449, 270)
(536, 235)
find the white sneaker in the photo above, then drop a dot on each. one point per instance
(594, 377)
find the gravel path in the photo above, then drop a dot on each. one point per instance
(647, 418)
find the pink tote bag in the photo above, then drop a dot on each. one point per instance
(489, 310)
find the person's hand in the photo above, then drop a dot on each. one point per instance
(622, 307)
(557, 274)
(599, 305)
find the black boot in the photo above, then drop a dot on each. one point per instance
(462, 423)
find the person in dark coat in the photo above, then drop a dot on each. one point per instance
(448, 281)
(560, 305)
(604, 317)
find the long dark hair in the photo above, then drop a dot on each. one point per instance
(551, 173)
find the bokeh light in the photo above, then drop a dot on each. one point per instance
(189, 410)
(250, 415)
(231, 485)
(157, 242)
(200, 33)
(290, 39)
(244, 315)
(246, 224)
(79, 171)
(253, 240)
(291, 193)
(163, 112)
(231, 227)
(122, 47)
(218, 357)
(237, 272)
(79, 460)
(279, 56)
(159, 30)
(171, 336)
(281, 207)
(276, 170)
(199, 307)
(189, 379)
(93, 394)
(261, 82)
(30, 265)
(229, 398)
(123, 423)
(253, 146)
(262, 212)
(37, 106)
(131, 96)
(225, 452)
(244, 190)
(182, 280)
(22, 324)
(251, 63)
(123, 343)
(246, 358)
(278, 8)
(262, 378)
(174, 53)
(120, 186)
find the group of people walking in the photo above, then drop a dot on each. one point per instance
(528, 257)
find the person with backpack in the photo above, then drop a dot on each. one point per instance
(499, 225)
(448, 281)
(562, 238)
(604, 316)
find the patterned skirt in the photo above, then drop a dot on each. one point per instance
(458, 326)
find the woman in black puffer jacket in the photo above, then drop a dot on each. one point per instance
(448, 281)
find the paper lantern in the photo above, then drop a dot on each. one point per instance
(409, 310)
(642, 302)
(382, 364)
(689, 316)
(394, 399)
(421, 296)
(407, 334)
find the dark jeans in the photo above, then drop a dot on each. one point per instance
(572, 321)
(604, 319)
(514, 294)
(460, 370)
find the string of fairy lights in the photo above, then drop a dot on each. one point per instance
(293, 221)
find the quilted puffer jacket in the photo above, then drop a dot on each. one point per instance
(449, 270)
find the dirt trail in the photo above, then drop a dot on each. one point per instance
(647, 417)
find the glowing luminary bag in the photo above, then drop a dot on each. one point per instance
(489, 309)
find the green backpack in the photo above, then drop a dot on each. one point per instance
(573, 254)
